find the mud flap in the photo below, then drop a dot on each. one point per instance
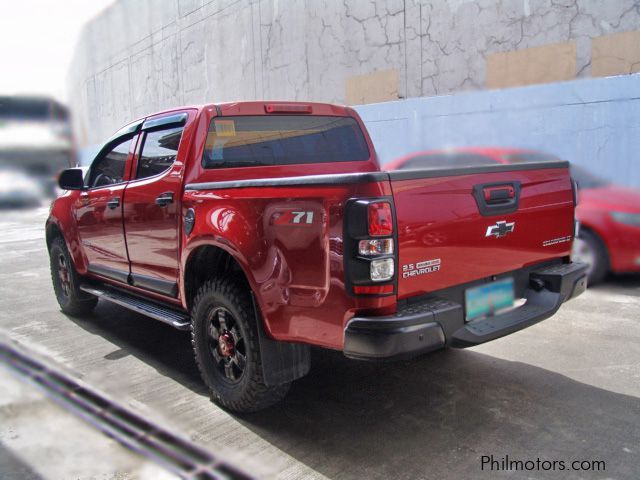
(282, 362)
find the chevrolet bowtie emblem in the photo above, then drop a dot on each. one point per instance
(500, 229)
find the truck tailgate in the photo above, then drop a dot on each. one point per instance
(458, 226)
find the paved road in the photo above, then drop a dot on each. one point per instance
(67, 448)
(567, 388)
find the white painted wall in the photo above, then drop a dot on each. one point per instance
(141, 56)
(592, 122)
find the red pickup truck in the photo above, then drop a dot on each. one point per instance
(264, 228)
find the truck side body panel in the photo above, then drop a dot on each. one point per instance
(295, 268)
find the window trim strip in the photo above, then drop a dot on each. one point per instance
(170, 121)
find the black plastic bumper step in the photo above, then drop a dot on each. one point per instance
(172, 317)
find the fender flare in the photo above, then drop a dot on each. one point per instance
(282, 362)
(54, 227)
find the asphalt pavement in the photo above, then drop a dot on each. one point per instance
(563, 390)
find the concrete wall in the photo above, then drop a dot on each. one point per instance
(592, 122)
(141, 56)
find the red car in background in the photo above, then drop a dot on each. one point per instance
(609, 214)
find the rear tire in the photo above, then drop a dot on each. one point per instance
(226, 348)
(66, 281)
(590, 249)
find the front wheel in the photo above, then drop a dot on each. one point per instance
(66, 284)
(227, 350)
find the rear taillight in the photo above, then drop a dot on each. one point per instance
(373, 289)
(377, 246)
(381, 269)
(380, 219)
(370, 247)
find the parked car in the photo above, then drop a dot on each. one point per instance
(264, 228)
(609, 214)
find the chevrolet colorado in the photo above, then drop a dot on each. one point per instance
(267, 227)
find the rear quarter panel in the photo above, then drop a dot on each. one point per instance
(296, 271)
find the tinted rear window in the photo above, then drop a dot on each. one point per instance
(446, 160)
(245, 141)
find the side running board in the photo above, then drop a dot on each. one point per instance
(176, 319)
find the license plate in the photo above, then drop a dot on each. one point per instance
(488, 299)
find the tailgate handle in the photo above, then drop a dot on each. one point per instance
(500, 194)
(497, 198)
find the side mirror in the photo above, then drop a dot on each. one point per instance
(71, 179)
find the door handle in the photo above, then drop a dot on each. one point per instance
(164, 199)
(113, 203)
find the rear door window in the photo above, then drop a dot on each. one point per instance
(159, 151)
(244, 141)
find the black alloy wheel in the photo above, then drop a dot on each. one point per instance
(226, 344)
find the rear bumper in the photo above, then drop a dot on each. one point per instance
(436, 322)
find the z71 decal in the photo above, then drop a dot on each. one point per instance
(302, 218)
(420, 268)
